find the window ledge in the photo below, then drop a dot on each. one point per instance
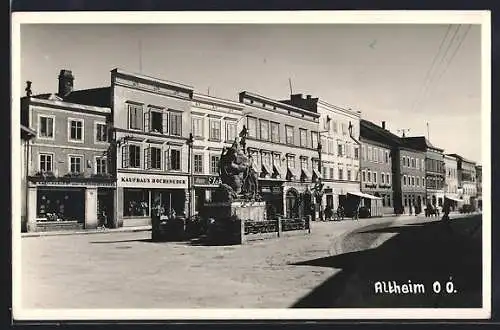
(215, 140)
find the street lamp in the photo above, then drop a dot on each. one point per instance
(190, 177)
(319, 185)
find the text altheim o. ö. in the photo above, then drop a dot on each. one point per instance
(392, 287)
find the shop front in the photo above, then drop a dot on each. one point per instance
(140, 194)
(336, 194)
(204, 187)
(271, 192)
(68, 203)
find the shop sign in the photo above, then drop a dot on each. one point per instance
(215, 180)
(328, 191)
(151, 180)
(207, 180)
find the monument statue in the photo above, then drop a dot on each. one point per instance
(238, 177)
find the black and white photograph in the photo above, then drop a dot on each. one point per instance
(260, 165)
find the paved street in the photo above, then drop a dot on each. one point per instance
(126, 270)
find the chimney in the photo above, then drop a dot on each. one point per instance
(383, 124)
(308, 96)
(65, 83)
(28, 88)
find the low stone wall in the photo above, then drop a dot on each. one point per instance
(258, 230)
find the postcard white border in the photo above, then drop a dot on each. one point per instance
(296, 17)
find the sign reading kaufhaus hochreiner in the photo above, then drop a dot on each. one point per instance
(136, 180)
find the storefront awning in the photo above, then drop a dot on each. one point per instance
(278, 171)
(454, 199)
(255, 167)
(360, 194)
(267, 169)
(305, 174)
(316, 174)
(293, 172)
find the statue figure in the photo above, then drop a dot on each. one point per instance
(238, 177)
(243, 138)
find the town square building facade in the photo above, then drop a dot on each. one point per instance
(479, 185)
(467, 187)
(376, 165)
(27, 134)
(68, 171)
(281, 140)
(340, 151)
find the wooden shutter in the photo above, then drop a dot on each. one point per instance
(147, 124)
(165, 122)
(125, 156)
(147, 158)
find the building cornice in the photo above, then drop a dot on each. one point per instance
(163, 82)
(282, 106)
(211, 100)
(331, 107)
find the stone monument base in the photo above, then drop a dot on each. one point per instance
(227, 219)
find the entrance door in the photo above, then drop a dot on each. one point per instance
(307, 204)
(291, 204)
(105, 206)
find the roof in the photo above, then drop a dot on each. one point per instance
(99, 97)
(462, 158)
(371, 131)
(420, 142)
(27, 132)
(277, 103)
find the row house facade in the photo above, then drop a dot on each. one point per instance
(479, 185)
(434, 169)
(376, 166)
(281, 141)
(467, 187)
(215, 124)
(27, 134)
(412, 182)
(340, 151)
(68, 180)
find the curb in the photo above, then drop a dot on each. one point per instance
(87, 232)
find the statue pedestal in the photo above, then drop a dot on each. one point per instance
(228, 219)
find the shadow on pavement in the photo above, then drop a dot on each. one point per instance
(421, 253)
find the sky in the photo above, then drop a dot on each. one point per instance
(406, 74)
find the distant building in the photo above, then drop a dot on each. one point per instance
(340, 151)
(434, 168)
(407, 172)
(282, 142)
(451, 179)
(27, 134)
(69, 185)
(479, 185)
(467, 188)
(376, 165)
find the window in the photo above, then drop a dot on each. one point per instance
(131, 156)
(46, 127)
(264, 130)
(413, 163)
(326, 124)
(388, 178)
(341, 174)
(214, 164)
(174, 162)
(339, 150)
(45, 163)
(75, 164)
(375, 155)
(303, 163)
(135, 117)
(290, 160)
(252, 127)
(331, 173)
(266, 159)
(135, 202)
(101, 132)
(275, 132)
(374, 177)
(197, 128)
(356, 153)
(404, 180)
(214, 130)
(344, 129)
(303, 137)
(363, 173)
(100, 165)
(314, 139)
(382, 178)
(369, 176)
(413, 181)
(349, 175)
(386, 156)
(153, 121)
(289, 134)
(198, 163)
(335, 127)
(370, 155)
(418, 182)
(325, 172)
(230, 131)
(152, 158)
(76, 130)
(175, 123)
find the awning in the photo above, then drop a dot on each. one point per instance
(267, 169)
(305, 173)
(360, 194)
(316, 174)
(255, 167)
(278, 171)
(454, 199)
(294, 172)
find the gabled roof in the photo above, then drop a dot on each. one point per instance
(370, 131)
(100, 97)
